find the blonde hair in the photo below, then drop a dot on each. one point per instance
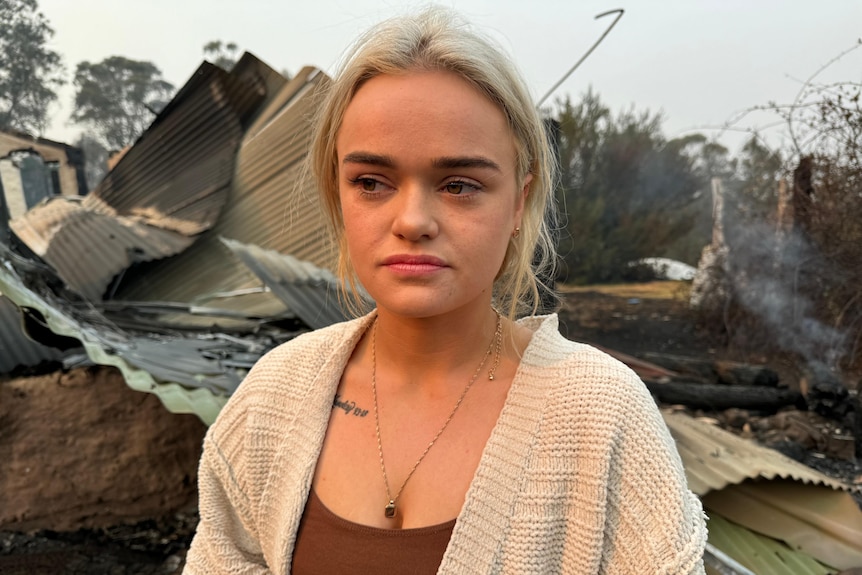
(438, 40)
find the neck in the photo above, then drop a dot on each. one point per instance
(433, 351)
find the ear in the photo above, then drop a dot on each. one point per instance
(521, 199)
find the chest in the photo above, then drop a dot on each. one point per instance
(420, 452)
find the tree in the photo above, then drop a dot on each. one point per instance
(30, 72)
(222, 54)
(622, 188)
(118, 98)
(794, 234)
(760, 169)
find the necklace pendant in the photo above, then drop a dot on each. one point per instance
(390, 509)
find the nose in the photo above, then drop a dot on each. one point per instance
(415, 215)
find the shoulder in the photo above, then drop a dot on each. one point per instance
(599, 416)
(579, 370)
(303, 355)
(590, 396)
(288, 371)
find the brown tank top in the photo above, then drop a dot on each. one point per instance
(327, 544)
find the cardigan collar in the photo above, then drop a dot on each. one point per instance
(493, 491)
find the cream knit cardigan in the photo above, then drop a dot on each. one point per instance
(580, 474)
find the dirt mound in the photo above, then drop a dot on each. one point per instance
(81, 449)
(94, 477)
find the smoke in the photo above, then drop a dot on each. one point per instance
(779, 277)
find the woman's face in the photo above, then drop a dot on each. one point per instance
(429, 192)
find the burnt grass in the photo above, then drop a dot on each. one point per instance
(150, 547)
(634, 320)
(655, 317)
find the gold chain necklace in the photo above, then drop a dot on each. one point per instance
(495, 346)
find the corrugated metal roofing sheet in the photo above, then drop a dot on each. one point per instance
(208, 366)
(824, 523)
(714, 458)
(16, 349)
(271, 205)
(216, 364)
(88, 247)
(170, 186)
(761, 554)
(308, 291)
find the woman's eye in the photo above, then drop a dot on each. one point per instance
(460, 188)
(368, 185)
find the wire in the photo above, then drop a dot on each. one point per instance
(619, 12)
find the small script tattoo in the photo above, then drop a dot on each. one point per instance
(349, 407)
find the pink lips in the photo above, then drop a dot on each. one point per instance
(409, 264)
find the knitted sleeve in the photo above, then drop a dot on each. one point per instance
(226, 539)
(654, 524)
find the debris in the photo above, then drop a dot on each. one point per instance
(769, 498)
(822, 522)
(825, 393)
(735, 373)
(720, 371)
(168, 188)
(722, 563)
(719, 397)
(668, 269)
(757, 553)
(307, 290)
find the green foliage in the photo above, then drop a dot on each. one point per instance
(624, 189)
(710, 161)
(222, 54)
(760, 169)
(30, 72)
(118, 98)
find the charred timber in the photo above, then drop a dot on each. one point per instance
(723, 371)
(719, 397)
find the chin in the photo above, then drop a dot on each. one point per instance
(439, 302)
(413, 309)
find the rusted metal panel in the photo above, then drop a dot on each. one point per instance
(644, 369)
(714, 458)
(310, 292)
(272, 204)
(168, 188)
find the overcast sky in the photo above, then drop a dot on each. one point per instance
(699, 61)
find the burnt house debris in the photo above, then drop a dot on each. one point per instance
(31, 171)
(157, 271)
(780, 279)
(34, 169)
(204, 247)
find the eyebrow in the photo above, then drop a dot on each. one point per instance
(445, 162)
(369, 158)
(466, 162)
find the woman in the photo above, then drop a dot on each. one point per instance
(435, 434)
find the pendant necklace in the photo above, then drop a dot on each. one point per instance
(494, 347)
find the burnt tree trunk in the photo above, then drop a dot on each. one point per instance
(719, 397)
(721, 371)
